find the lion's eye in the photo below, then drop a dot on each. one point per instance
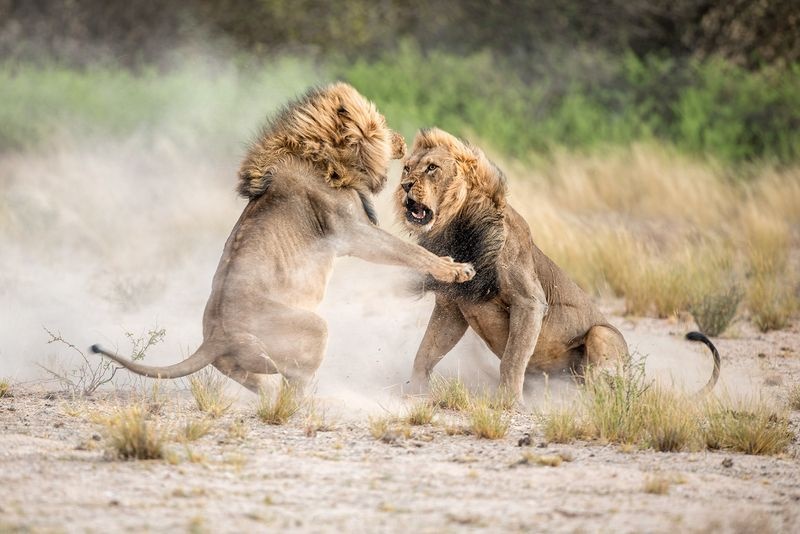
(432, 167)
(406, 169)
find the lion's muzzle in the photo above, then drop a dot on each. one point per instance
(417, 212)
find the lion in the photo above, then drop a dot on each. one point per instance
(309, 179)
(528, 311)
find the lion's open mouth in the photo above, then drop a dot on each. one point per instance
(417, 212)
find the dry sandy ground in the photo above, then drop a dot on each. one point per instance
(55, 476)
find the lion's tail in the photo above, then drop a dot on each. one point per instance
(204, 355)
(697, 336)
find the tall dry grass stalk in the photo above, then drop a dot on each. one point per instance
(668, 233)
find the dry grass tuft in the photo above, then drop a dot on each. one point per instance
(549, 460)
(752, 428)
(238, 429)
(316, 420)
(670, 421)
(565, 424)
(5, 388)
(194, 429)
(613, 402)
(657, 484)
(154, 399)
(487, 419)
(208, 389)
(627, 409)
(449, 393)
(715, 311)
(279, 410)
(771, 302)
(379, 426)
(132, 435)
(452, 428)
(388, 429)
(420, 413)
(794, 397)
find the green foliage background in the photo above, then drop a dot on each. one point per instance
(720, 79)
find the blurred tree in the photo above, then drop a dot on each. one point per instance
(748, 32)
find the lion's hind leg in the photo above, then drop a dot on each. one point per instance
(604, 347)
(247, 362)
(295, 340)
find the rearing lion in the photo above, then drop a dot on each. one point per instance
(309, 179)
(526, 309)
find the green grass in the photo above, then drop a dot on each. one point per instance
(40, 103)
(701, 107)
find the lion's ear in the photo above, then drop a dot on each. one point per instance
(466, 163)
(398, 146)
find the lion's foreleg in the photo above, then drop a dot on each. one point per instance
(525, 324)
(373, 244)
(445, 328)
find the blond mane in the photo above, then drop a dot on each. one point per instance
(334, 128)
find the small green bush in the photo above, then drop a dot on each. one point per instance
(714, 312)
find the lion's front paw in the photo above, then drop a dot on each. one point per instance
(417, 385)
(466, 272)
(450, 271)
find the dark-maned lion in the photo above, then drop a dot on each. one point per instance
(527, 310)
(309, 178)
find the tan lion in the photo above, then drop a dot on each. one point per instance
(309, 178)
(526, 309)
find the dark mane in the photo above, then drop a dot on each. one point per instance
(475, 237)
(369, 208)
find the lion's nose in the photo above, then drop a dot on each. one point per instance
(407, 186)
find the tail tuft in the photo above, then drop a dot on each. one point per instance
(96, 349)
(697, 336)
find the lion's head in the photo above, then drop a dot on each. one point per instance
(335, 129)
(444, 176)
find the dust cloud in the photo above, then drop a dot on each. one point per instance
(103, 238)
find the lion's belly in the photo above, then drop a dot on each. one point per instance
(491, 322)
